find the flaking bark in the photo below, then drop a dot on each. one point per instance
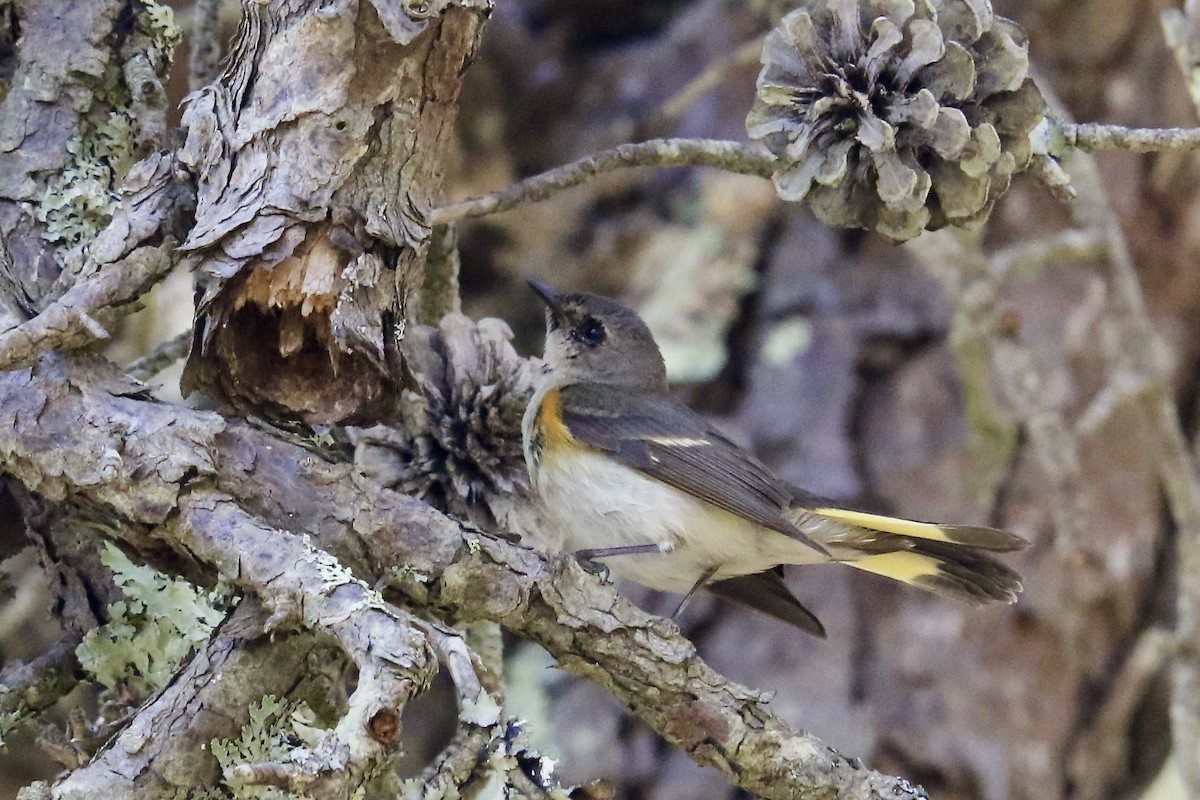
(314, 186)
(274, 485)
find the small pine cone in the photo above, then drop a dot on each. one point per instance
(457, 444)
(896, 115)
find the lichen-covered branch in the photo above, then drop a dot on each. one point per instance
(652, 670)
(731, 156)
(307, 586)
(241, 490)
(166, 747)
(1093, 136)
(131, 254)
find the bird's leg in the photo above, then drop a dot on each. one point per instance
(588, 558)
(701, 582)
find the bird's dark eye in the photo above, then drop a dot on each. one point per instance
(591, 333)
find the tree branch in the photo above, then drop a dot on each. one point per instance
(747, 160)
(161, 357)
(304, 585)
(242, 490)
(120, 266)
(71, 321)
(731, 156)
(1093, 136)
(164, 749)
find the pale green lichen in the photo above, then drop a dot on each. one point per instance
(334, 574)
(77, 202)
(150, 632)
(267, 736)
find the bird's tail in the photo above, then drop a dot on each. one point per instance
(950, 560)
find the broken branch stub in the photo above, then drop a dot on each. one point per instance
(318, 153)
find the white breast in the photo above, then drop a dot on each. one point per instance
(601, 503)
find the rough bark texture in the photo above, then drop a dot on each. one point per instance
(245, 499)
(1011, 380)
(318, 153)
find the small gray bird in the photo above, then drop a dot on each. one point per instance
(645, 484)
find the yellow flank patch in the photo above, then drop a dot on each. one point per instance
(905, 567)
(554, 433)
(878, 522)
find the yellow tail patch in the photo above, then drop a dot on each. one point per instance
(968, 535)
(878, 522)
(903, 566)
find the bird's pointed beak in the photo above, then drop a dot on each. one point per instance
(551, 298)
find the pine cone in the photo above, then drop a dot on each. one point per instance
(896, 115)
(457, 444)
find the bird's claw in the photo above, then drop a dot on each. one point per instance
(593, 567)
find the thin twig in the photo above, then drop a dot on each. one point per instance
(1021, 261)
(1093, 136)
(727, 155)
(160, 357)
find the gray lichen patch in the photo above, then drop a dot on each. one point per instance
(116, 130)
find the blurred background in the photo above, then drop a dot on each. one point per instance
(839, 359)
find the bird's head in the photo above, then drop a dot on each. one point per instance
(593, 339)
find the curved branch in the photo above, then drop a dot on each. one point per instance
(306, 586)
(275, 486)
(731, 156)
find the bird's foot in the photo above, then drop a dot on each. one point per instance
(589, 558)
(593, 567)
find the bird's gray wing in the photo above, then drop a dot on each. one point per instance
(767, 593)
(671, 443)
